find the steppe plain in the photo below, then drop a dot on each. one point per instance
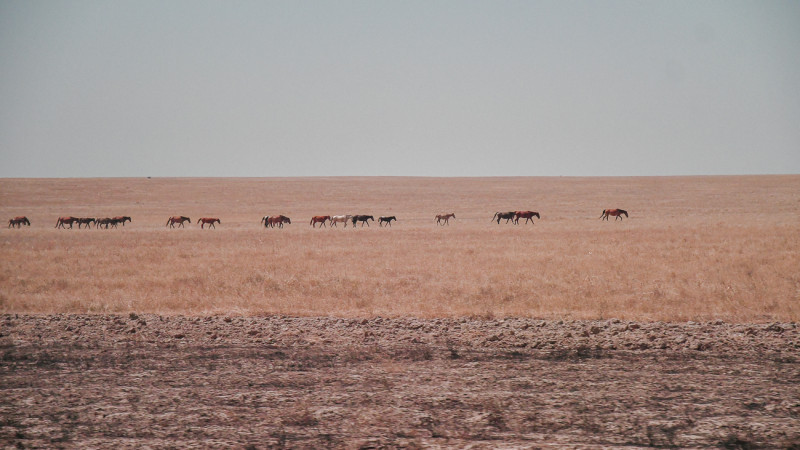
(673, 327)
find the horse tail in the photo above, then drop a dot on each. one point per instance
(602, 213)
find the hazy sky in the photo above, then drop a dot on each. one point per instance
(430, 88)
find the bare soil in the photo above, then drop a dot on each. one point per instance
(100, 381)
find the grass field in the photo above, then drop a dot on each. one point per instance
(693, 248)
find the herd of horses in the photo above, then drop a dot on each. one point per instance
(354, 219)
(105, 222)
(278, 221)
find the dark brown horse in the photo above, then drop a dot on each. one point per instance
(103, 222)
(503, 215)
(278, 220)
(319, 219)
(617, 213)
(18, 222)
(527, 215)
(85, 221)
(67, 220)
(444, 219)
(179, 220)
(363, 219)
(210, 221)
(387, 219)
(120, 219)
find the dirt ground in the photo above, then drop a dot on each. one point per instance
(97, 381)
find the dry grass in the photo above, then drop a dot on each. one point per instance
(694, 248)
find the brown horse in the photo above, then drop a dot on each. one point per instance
(179, 220)
(319, 219)
(120, 219)
(85, 221)
(364, 219)
(527, 215)
(18, 222)
(617, 213)
(278, 220)
(444, 219)
(387, 219)
(67, 220)
(503, 215)
(210, 221)
(103, 223)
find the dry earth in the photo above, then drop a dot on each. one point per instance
(97, 381)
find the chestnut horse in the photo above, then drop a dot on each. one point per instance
(527, 215)
(444, 219)
(503, 215)
(179, 220)
(278, 220)
(210, 221)
(338, 219)
(18, 222)
(363, 219)
(84, 221)
(387, 219)
(319, 219)
(617, 213)
(68, 220)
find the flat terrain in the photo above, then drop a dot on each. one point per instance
(216, 381)
(675, 327)
(693, 248)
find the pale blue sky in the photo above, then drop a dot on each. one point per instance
(428, 88)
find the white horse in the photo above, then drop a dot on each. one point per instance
(336, 219)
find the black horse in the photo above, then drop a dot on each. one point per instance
(362, 219)
(503, 215)
(386, 219)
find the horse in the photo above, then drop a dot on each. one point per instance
(264, 221)
(319, 219)
(503, 215)
(179, 220)
(67, 220)
(103, 223)
(387, 219)
(210, 221)
(442, 219)
(18, 222)
(84, 221)
(120, 219)
(363, 219)
(527, 215)
(617, 213)
(338, 219)
(279, 220)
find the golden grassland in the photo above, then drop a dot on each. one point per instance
(693, 248)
